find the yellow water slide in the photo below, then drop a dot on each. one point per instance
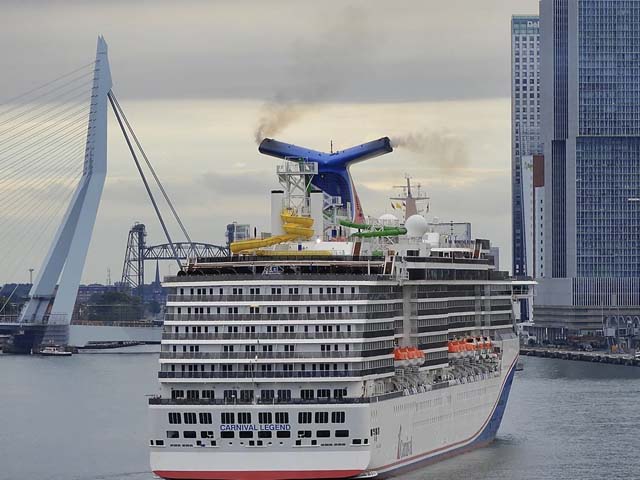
(295, 227)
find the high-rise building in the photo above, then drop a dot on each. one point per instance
(590, 86)
(237, 231)
(525, 143)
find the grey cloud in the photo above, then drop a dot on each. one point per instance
(420, 49)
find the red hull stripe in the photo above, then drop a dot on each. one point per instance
(256, 475)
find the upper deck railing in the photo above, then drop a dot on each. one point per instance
(284, 297)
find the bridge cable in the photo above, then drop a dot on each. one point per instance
(43, 133)
(153, 172)
(48, 92)
(117, 113)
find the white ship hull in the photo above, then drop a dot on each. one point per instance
(402, 433)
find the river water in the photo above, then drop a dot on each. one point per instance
(84, 418)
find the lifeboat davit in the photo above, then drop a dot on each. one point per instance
(419, 357)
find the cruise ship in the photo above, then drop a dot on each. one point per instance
(336, 346)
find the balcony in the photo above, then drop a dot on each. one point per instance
(250, 317)
(274, 355)
(275, 401)
(280, 374)
(283, 297)
(277, 336)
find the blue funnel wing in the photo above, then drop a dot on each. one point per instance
(274, 148)
(360, 153)
(333, 168)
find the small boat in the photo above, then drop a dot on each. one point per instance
(519, 366)
(54, 351)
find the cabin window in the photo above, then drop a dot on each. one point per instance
(337, 417)
(304, 417)
(322, 417)
(284, 395)
(265, 417)
(244, 417)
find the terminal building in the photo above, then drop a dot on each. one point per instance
(590, 125)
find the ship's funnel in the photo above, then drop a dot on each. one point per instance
(333, 168)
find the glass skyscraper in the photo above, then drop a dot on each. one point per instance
(590, 91)
(525, 135)
(525, 143)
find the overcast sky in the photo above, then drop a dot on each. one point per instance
(194, 78)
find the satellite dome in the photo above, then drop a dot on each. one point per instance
(416, 226)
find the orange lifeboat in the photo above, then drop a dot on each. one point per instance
(455, 348)
(469, 346)
(414, 356)
(401, 357)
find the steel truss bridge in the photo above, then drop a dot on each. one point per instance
(137, 253)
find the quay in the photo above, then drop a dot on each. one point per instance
(580, 356)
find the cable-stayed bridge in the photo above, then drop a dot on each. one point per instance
(53, 165)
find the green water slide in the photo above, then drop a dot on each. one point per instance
(385, 232)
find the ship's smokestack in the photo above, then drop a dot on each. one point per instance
(333, 168)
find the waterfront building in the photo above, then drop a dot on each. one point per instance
(590, 86)
(525, 135)
(525, 143)
(237, 231)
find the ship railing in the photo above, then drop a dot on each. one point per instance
(281, 297)
(276, 336)
(54, 318)
(293, 258)
(390, 315)
(281, 374)
(9, 318)
(102, 323)
(274, 355)
(315, 276)
(275, 401)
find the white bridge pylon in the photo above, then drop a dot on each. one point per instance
(65, 260)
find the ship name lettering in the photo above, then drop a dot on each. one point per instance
(253, 428)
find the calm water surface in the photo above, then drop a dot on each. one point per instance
(84, 417)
